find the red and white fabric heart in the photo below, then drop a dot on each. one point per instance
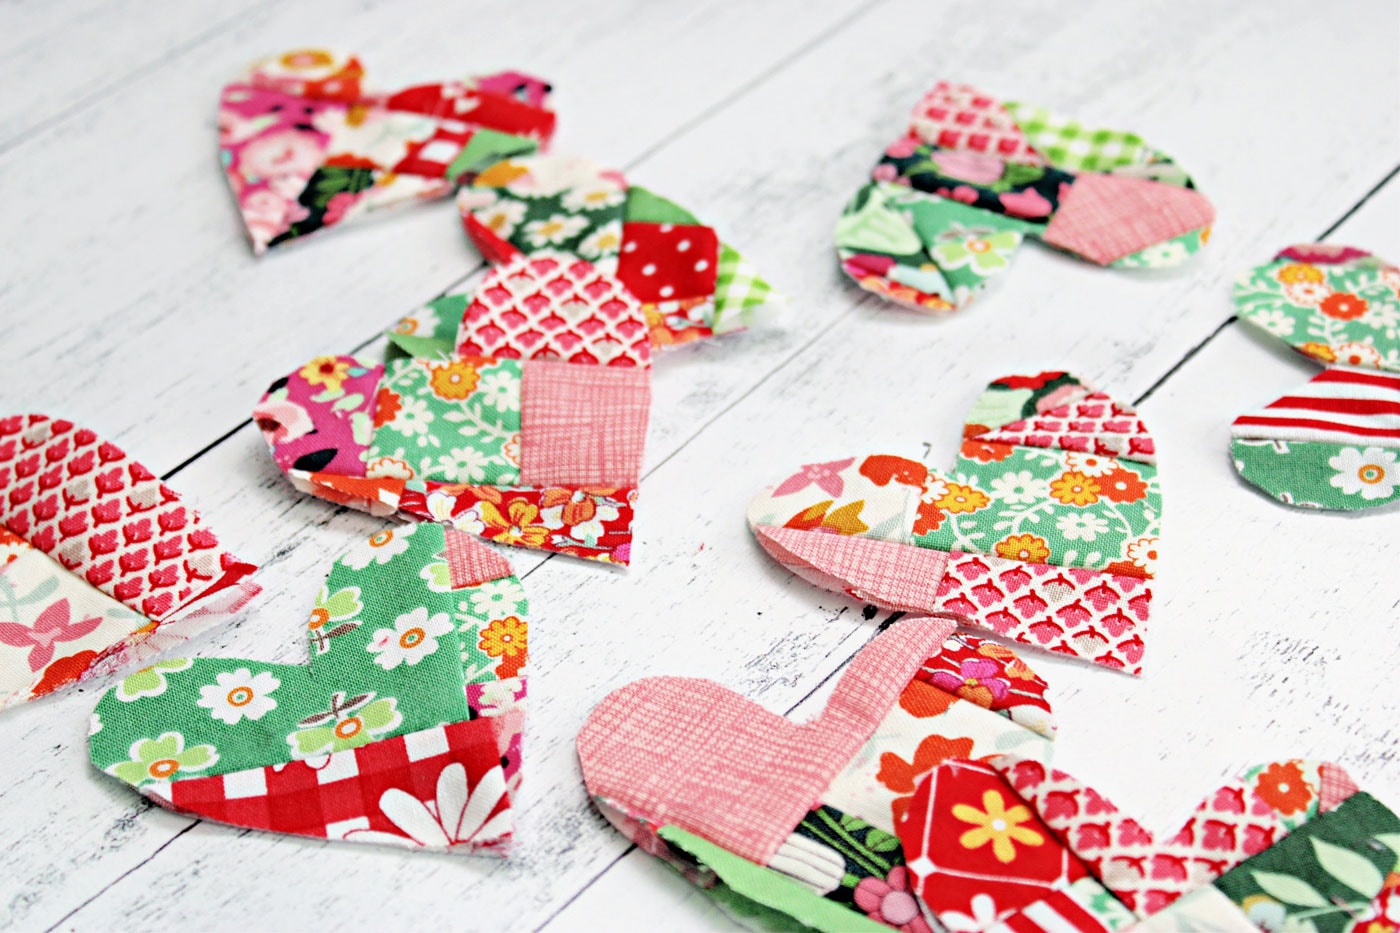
(101, 564)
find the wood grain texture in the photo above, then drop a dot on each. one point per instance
(131, 302)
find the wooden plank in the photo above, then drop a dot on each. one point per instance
(70, 57)
(837, 374)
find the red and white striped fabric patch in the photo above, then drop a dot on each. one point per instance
(1340, 404)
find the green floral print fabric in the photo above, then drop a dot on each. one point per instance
(394, 649)
(478, 398)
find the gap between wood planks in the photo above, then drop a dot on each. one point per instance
(699, 119)
(1186, 358)
(140, 71)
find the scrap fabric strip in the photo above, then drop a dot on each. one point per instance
(949, 203)
(1046, 533)
(1332, 443)
(305, 147)
(417, 627)
(105, 564)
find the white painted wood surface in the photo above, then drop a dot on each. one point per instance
(128, 301)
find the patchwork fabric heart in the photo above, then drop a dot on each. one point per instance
(690, 285)
(951, 201)
(888, 812)
(537, 445)
(1045, 533)
(1333, 443)
(404, 728)
(101, 564)
(305, 146)
(1288, 845)
(802, 818)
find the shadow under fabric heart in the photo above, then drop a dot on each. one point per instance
(101, 564)
(1332, 443)
(1045, 533)
(950, 202)
(404, 728)
(922, 793)
(305, 147)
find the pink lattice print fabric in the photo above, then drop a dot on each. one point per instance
(555, 307)
(103, 563)
(1046, 533)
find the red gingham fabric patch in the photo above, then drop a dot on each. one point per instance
(340, 795)
(582, 425)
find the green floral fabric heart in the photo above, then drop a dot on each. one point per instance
(417, 632)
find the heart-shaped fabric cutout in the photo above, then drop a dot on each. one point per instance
(403, 729)
(951, 201)
(305, 147)
(690, 285)
(972, 829)
(1333, 443)
(690, 770)
(522, 447)
(101, 564)
(1045, 533)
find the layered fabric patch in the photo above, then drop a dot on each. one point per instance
(404, 728)
(526, 425)
(1045, 532)
(922, 798)
(101, 564)
(950, 202)
(690, 285)
(305, 146)
(1333, 443)
(802, 817)
(1287, 845)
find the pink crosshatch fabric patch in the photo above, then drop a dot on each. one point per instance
(692, 753)
(882, 572)
(582, 425)
(1107, 217)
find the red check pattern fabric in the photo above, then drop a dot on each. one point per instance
(362, 794)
